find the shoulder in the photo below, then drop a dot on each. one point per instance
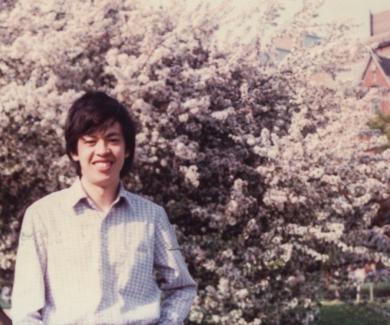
(49, 202)
(39, 213)
(149, 209)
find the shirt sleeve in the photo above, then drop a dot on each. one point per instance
(179, 289)
(28, 294)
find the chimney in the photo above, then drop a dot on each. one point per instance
(371, 24)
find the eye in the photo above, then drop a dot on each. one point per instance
(89, 141)
(114, 140)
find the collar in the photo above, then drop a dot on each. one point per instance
(77, 194)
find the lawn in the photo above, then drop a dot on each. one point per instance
(349, 314)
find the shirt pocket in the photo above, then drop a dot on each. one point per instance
(134, 269)
(133, 255)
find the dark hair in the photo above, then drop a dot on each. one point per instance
(92, 112)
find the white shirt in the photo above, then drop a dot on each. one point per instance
(77, 265)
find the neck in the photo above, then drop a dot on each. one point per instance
(102, 196)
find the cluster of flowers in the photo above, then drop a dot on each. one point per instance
(262, 171)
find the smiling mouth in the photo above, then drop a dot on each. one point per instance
(103, 165)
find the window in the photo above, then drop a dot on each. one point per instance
(311, 40)
(375, 106)
(281, 53)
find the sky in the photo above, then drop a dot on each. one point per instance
(353, 10)
(350, 11)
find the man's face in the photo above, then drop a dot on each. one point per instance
(101, 155)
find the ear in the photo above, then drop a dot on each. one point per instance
(75, 157)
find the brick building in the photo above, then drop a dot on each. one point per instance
(377, 71)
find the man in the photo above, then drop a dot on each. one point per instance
(95, 253)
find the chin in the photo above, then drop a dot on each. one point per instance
(103, 181)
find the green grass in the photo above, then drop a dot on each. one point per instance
(349, 314)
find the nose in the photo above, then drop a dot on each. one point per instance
(102, 147)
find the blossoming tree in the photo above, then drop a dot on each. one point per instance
(262, 171)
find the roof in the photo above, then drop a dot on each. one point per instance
(385, 64)
(385, 43)
(379, 41)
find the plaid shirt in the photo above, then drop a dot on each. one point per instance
(78, 265)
